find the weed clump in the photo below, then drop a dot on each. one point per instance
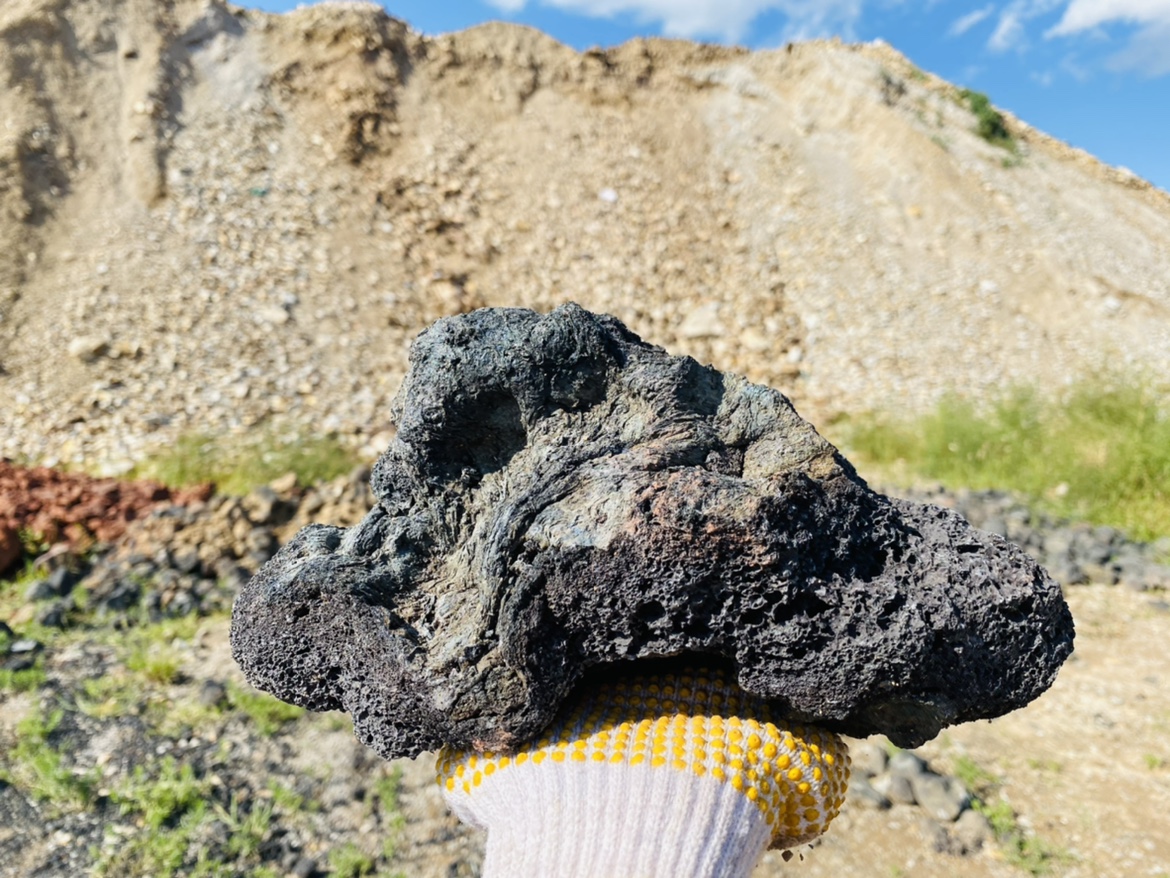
(267, 713)
(990, 124)
(1101, 455)
(236, 467)
(1025, 851)
(39, 767)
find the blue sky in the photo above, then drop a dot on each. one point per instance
(1095, 73)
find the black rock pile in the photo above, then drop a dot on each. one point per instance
(191, 558)
(882, 779)
(1074, 553)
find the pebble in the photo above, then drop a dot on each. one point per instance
(702, 322)
(862, 793)
(21, 654)
(869, 757)
(906, 764)
(896, 788)
(55, 615)
(942, 798)
(87, 348)
(212, 693)
(40, 590)
(972, 830)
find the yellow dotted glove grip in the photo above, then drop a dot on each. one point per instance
(695, 722)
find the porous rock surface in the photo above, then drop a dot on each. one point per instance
(561, 495)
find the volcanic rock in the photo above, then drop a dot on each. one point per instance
(561, 495)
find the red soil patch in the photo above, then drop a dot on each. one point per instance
(73, 508)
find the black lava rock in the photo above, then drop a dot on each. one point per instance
(561, 496)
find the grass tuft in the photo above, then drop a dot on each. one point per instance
(1102, 455)
(990, 124)
(974, 776)
(162, 800)
(349, 861)
(1027, 852)
(40, 769)
(236, 466)
(27, 680)
(156, 665)
(268, 713)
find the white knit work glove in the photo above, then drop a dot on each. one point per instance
(655, 775)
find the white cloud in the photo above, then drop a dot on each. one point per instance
(1085, 14)
(725, 19)
(1011, 30)
(964, 23)
(1008, 33)
(1148, 50)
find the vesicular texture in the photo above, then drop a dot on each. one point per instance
(561, 495)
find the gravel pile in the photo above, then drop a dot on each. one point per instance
(193, 558)
(881, 780)
(244, 219)
(1075, 553)
(72, 510)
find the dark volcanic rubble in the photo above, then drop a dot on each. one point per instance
(561, 496)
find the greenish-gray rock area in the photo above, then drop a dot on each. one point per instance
(562, 496)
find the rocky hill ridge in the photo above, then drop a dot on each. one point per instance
(213, 218)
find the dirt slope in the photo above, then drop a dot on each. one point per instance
(212, 217)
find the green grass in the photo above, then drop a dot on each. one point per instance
(248, 828)
(383, 799)
(41, 770)
(269, 714)
(149, 649)
(1028, 852)
(1101, 455)
(349, 861)
(20, 681)
(236, 466)
(23, 681)
(977, 779)
(990, 124)
(384, 791)
(109, 696)
(157, 666)
(288, 801)
(162, 799)
(174, 811)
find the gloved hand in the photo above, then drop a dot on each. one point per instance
(654, 774)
